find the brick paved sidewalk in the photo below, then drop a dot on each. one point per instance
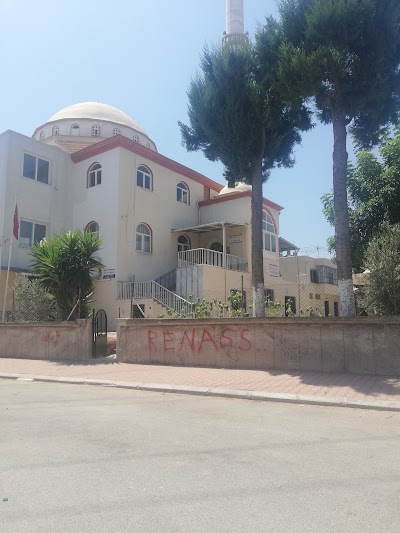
(348, 386)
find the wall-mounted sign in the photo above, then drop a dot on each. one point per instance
(235, 238)
(108, 273)
(273, 270)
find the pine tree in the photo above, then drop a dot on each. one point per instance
(236, 116)
(345, 54)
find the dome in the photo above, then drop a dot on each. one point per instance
(240, 187)
(96, 111)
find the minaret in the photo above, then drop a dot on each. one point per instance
(234, 35)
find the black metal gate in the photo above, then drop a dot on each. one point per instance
(99, 333)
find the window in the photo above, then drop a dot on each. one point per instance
(290, 305)
(269, 296)
(96, 131)
(269, 237)
(75, 129)
(182, 193)
(36, 168)
(42, 135)
(55, 130)
(326, 307)
(93, 227)
(183, 243)
(327, 275)
(143, 238)
(313, 275)
(94, 175)
(336, 308)
(136, 139)
(207, 192)
(237, 299)
(116, 131)
(144, 178)
(30, 232)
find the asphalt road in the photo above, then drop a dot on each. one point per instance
(76, 458)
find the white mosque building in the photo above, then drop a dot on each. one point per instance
(168, 231)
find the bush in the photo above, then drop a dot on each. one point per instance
(32, 302)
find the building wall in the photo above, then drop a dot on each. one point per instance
(49, 204)
(160, 210)
(99, 203)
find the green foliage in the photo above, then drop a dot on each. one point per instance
(274, 308)
(345, 54)
(381, 294)
(373, 188)
(235, 113)
(201, 309)
(65, 266)
(32, 302)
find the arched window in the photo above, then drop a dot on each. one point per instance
(75, 129)
(183, 243)
(182, 193)
(269, 236)
(143, 238)
(136, 139)
(116, 131)
(93, 227)
(42, 135)
(144, 178)
(94, 175)
(96, 131)
(55, 130)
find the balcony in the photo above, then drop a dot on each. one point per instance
(203, 256)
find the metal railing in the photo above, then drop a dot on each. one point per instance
(203, 256)
(143, 290)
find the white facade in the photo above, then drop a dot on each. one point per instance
(127, 189)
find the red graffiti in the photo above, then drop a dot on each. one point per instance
(206, 337)
(198, 340)
(190, 341)
(224, 336)
(168, 338)
(248, 346)
(151, 336)
(50, 337)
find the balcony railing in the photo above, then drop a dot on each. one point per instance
(203, 256)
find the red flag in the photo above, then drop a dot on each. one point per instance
(16, 222)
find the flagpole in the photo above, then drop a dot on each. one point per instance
(7, 279)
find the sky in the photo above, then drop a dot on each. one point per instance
(140, 56)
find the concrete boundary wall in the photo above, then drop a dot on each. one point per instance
(64, 341)
(362, 345)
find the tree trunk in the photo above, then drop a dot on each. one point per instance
(257, 263)
(342, 234)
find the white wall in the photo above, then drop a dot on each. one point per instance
(160, 210)
(49, 204)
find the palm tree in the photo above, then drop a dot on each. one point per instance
(237, 117)
(345, 54)
(65, 266)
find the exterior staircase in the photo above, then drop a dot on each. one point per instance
(138, 291)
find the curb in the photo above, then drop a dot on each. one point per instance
(216, 392)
